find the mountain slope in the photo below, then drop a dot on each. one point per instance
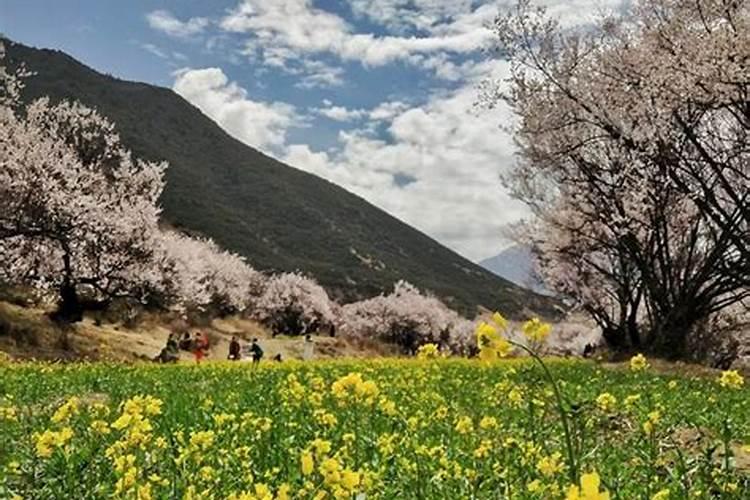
(279, 217)
(515, 264)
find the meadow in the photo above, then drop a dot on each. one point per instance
(380, 428)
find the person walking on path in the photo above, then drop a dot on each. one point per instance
(256, 352)
(201, 347)
(309, 348)
(234, 349)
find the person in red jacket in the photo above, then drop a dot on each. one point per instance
(201, 346)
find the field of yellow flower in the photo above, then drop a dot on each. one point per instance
(396, 429)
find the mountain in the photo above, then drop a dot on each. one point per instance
(516, 265)
(280, 218)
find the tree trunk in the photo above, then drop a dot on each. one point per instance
(69, 307)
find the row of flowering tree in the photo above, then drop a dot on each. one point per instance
(80, 224)
(634, 155)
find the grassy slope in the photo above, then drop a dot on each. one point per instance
(27, 333)
(279, 217)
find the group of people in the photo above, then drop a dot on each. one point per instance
(254, 350)
(199, 345)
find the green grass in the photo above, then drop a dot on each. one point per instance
(400, 440)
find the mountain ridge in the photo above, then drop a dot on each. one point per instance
(277, 216)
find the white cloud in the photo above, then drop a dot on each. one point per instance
(153, 49)
(454, 156)
(282, 29)
(320, 74)
(164, 21)
(438, 163)
(260, 124)
(340, 113)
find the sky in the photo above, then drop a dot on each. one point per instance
(377, 96)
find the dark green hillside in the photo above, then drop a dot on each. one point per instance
(279, 217)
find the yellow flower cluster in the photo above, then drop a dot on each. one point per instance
(428, 351)
(731, 379)
(606, 401)
(490, 343)
(638, 363)
(47, 441)
(536, 330)
(353, 387)
(588, 490)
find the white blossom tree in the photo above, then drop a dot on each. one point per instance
(294, 304)
(199, 275)
(77, 213)
(409, 319)
(634, 156)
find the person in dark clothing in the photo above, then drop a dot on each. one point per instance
(170, 352)
(277, 358)
(186, 343)
(234, 349)
(256, 351)
(588, 351)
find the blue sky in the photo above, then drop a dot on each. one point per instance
(375, 95)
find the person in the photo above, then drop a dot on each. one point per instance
(234, 349)
(588, 351)
(186, 343)
(307, 352)
(256, 351)
(277, 358)
(201, 346)
(169, 354)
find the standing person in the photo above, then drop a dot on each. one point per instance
(201, 347)
(234, 349)
(307, 351)
(256, 351)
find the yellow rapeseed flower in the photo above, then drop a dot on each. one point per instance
(464, 425)
(307, 463)
(550, 465)
(488, 423)
(589, 489)
(428, 351)
(731, 379)
(536, 330)
(638, 363)
(606, 401)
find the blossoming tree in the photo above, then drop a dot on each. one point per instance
(77, 212)
(198, 274)
(634, 156)
(408, 318)
(294, 304)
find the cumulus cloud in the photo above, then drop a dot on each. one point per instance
(164, 21)
(281, 29)
(340, 113)
(260, 124)
(432, 161)
(437, 169)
